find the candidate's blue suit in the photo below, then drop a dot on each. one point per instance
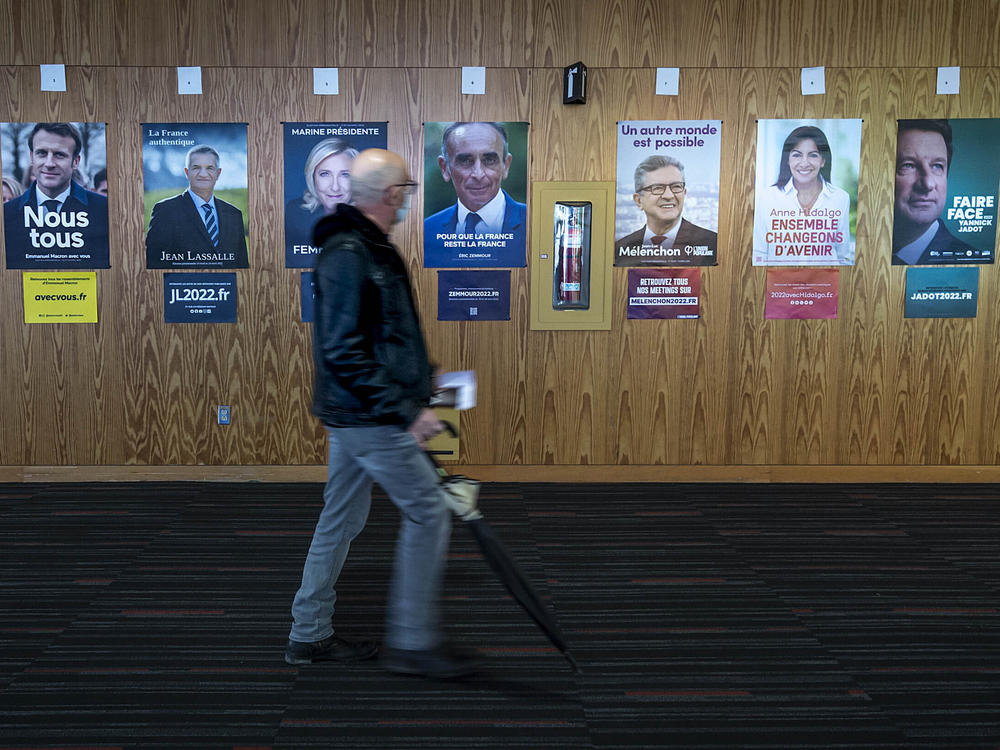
(515, 218)
(93, 254)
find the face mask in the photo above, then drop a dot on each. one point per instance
(403, 210)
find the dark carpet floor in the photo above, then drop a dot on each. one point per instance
(703, 616)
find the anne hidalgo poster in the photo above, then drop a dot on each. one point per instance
(53, 214)
(946, 192)
(475, 193)
(667, 197)
(318, 158)
(195, 182)
(806, 192)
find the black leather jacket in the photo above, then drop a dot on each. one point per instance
(370, 357)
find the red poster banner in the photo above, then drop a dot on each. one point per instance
(801, 293)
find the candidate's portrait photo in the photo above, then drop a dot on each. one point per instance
(475, 194)
(806, 190)
(196, 216)
(318, 159)
(667, 192)
(928, 155)
(666, 237)
(52, 216)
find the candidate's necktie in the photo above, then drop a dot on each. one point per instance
(657, 239)
(51, 206)
(471, 221)
(213, 228)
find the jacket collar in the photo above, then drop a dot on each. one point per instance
(347, 218)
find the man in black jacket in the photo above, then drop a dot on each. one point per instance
(372, 389)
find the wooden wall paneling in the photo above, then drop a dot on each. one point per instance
(748, 345)
(281, 346)
(861, 371)
(803, 33)
(496, 35)
(406, 34)
(73, 32)
(976, 39)
(982, 93)
(569, 31)
(689, 34)
(291, 33)
(147, 34)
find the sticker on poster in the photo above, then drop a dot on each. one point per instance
(667, 194)
(945, 192)
(656, 293)
(199, 297)
(186, 167)
(307, 296)
(475, 190)
(473, 295)
(941, 292)
(54, 297)
(801, 293)
(318, 158)
(806, 192)
(55, 186)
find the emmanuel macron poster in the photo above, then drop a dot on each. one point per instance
(475, 190)
(55, 210)
(195, 181)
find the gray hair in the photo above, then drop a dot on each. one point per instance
(651, 164)
(455, 125)
(200, 150)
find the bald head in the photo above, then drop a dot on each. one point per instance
(377, 186)
(372, 172)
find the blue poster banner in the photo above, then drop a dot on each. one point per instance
(475, 194)
(318, 158)
(195, 194)
(473, 295)
(199, 297)
(55, 188)
(307, 293)
(941, 292)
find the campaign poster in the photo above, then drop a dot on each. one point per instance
(657, 293)
(802, 293)
(55, 187)
(941, 292)
(53, 297)
(473, 295)
(199, 298)
(318, 158)
(667, 193)
(194, 179)
(945, 192)
(806, 192)
(475, 194)
(307, 296)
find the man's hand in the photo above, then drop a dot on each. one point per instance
(425, 426)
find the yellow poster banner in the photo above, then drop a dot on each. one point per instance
(60, 297)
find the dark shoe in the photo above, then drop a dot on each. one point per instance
(441, 663)
(333, 648)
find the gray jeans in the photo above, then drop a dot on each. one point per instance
(390, 456)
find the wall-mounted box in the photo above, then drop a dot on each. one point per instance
(548, 248)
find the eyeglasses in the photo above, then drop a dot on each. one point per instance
(659, 189)
(409, 188)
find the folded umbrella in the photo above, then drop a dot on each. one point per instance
(462, 495)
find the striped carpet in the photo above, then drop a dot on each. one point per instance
(703, 616)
